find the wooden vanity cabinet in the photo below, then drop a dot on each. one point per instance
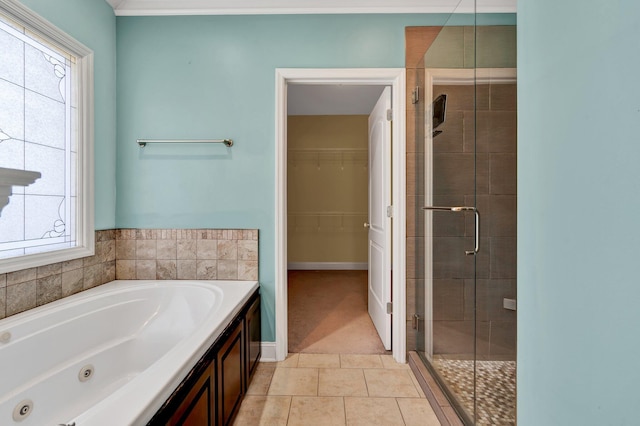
(212, 392)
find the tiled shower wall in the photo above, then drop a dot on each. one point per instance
(460, 303)
(126, 254)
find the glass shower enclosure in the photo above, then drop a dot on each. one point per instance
(465, 216)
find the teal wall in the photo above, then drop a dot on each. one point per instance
(214, 77)
(578, 209)
(93, 23)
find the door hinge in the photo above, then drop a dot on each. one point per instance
(389, 211)
(389, 307)
(389, 115)
(415, 322)
(415, 95)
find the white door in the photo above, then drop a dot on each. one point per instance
(379, 221)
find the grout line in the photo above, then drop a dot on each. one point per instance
(344, 406)
(366, 383)
(401, 414)
(270, 380)
(289, 411)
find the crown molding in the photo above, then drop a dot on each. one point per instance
(115, 3)
(270, 7)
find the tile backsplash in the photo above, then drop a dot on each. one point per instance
(129, 254)
(186, 254)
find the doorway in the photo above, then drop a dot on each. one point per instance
(395, 78)
(329, 181)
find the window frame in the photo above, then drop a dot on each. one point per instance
(85, 220)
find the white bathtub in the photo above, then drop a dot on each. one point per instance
(141, 337)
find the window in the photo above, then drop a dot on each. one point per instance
(46, 139)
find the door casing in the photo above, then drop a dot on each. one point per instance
(396, 78)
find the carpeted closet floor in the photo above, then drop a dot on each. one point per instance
(328, 313)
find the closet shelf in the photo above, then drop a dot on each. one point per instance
(328, 150)
(327, 214)
(318, 156)
(327, 222)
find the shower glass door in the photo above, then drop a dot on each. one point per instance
(453, 250)
(465, 198)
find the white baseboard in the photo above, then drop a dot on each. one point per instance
(268, 352)
(323, 266)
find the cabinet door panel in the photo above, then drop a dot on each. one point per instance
(195, 408)
(230, 362)
(200, 413)
(254, 338)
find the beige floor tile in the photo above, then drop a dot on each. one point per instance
(263, 410)
(372, 411)
(360, 361)
(417, 412)
(319, 360)
(294, 381)
(389, 362)
(260, 381)
(290, 362)
(417, 385)
(341, 382)
(266, 366)
(390, 383)
(320, 411)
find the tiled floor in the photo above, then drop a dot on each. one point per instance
(335, 389)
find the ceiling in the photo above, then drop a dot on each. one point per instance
(259, 7)
(310, 99)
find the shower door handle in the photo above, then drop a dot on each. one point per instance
(476, 249)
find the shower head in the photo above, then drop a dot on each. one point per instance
(439, 108)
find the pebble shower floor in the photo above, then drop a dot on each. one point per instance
(496, 385)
